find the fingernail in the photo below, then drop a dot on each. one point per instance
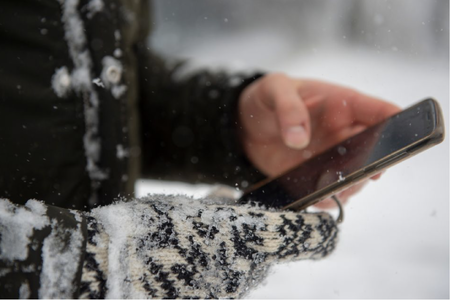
(296, 137)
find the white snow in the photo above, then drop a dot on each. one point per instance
(61, 253)
(146, 187)
(340, 178)
(118, 90)
(19, 224)
(342, 150)
(4, 271)
(94, 6)
(117, 35)
(81, 82)
(118, 52)
(73, 25)
(61, 82)
(81, 76)
(24, 291)
(121, 152)
(119, 223)
(98, 82)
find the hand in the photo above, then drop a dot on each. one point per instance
(285, 121)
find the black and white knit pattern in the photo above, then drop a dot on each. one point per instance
(95, 267)
(177, 247)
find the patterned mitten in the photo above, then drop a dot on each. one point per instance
(177, 247)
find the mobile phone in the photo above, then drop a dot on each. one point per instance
(361, 156)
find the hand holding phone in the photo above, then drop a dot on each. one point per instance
(284, 121)
(353, 160)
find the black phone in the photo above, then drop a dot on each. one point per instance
(361, 156)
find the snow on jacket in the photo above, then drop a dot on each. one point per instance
(86, 108)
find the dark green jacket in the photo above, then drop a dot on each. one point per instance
(86, 108)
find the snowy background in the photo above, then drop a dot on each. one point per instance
(394, 242)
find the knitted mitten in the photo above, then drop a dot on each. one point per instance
(177, 247)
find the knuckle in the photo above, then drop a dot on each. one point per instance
(274, 79)
(277, 76)
(271, 84)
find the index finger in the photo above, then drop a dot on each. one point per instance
(367, 110)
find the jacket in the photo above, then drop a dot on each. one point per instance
(86, 107)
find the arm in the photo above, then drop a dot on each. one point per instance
(188, 122)
(159, 247)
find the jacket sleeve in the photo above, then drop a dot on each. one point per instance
(155, 247)
(189, 121)
(42, 250)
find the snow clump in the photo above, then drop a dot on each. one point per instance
(20, 223)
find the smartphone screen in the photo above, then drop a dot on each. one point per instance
(373, 149)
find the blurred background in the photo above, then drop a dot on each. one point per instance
(394, 242)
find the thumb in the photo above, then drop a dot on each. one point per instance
(294, 236)
(291, 112)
